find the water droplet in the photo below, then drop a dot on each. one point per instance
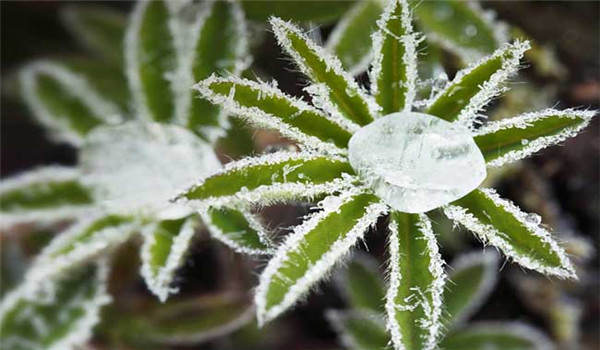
(524, 142)
(440, 81)
(471, 31)
(533, 218)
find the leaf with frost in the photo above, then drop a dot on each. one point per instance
(219, 34)
(270, 178)
(315, 246)
(359, 330)
(56, 313)
(189, 322)
(350, 40)
(511, 139)
(340, 90)
(107, 80)
(416, 283)
(321, 12)
(363, 285)
(470, 281)
(238, 229)
(165, 245)
(500, 223)
(83, 241)
(461, 27)
(64, 101)
(268, 107)
(100, 29)
(151, 60)
(46, 194)
(497, 336)
(475, 86)
(394, 72)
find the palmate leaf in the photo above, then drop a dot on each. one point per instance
(416, 283)
(313, 249)
(46, 194)
(350, 40)
(515, 138)
(271, 178)
(470, 281)
(83, 241)
(502, 224)
(363, 285)
(334, 89)
(151, 60)
(219, 22)
(265, 106)
(56, 313)
(187, 322)
(359, 330)
(473, 87)
(238, 229)
(323, 11)
(64, 101)
(100, 29)
(460, 26)
(165, 245)
(394, 72)
(496, 336)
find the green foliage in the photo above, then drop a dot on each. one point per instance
(363, 285)
(299, 10)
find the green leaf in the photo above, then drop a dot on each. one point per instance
(363, 284)
(416, 283)
(519, 235)
(221, 45)
(81, 242)
(151, 60)
(474, 86)
(107, 80)
(45, 194)
(165, 245)
(64, 102)
(188, 322)
(515, 138)
(322, 12)
(359, 330)
(54, 313)
(460, 26)
(313, 249)
(394, 72)
(471, 279)
(238, 229)
(350, 40)
(334, 90)
(100, 29)
(497, 336)
(270, 178)
(238, 142)
(265, 106)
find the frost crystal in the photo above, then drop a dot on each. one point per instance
(137, 167)
(416, 162)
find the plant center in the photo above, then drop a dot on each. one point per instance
(416, 162)
(136, 168)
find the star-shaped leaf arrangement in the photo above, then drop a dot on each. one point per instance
(132, 159)
(367, 154)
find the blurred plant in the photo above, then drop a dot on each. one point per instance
(349, 155)
(135, 153)
(470, 281)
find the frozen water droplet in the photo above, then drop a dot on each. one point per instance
(524, 142)
(416, 162)
(138, 167)
(533, 218)
(471, 31)
(440, 81)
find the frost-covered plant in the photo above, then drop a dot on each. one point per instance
(131, 163)
(470, 281)
(367, 154)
